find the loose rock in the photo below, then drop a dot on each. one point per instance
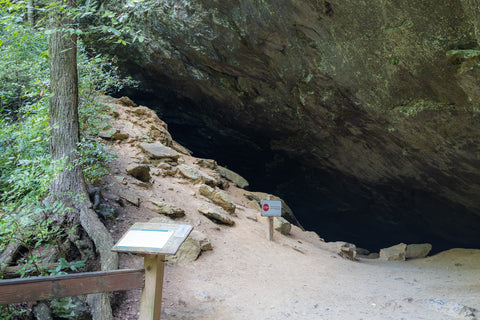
(196, 175)
(419, 250)
(139, 171)
(202, 239)
(129, 196)
(159, 151)
(233, 177)
(346, 250)
(218, 197)
(215, 215)
(113, 134)
(167, 209)
(282, 225)
(207, 163)
(394, 253)
(188, 252)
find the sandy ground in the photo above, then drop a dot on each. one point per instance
(297, 276)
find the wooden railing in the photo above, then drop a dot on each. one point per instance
(45, 288)
(150, 278)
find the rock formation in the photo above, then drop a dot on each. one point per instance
(382, 93)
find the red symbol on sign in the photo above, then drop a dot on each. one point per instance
(265, 207)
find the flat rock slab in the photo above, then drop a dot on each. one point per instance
(129, 196)
(215, 215)
(196, 175)
(218, 197)
(232, 176)
(167, 209)
(159, 151)
(113, 134)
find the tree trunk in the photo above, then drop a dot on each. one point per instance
(70, 186)
(63, 111)
(31, 12)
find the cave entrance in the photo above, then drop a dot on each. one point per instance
(336, 207)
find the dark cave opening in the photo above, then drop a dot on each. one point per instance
(336, 207)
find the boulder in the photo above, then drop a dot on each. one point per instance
(169, 210)
(130, 196)
(233, 177)
(196, 175)
(139, 171)
(418, 250)
(345, 250)
(159, 151)
(207, 163)
(218, 197)
(282, 225)
(42, 311)
(188, 252)
(215, 215)
(113, 134)
(202, 239)
(394, 253)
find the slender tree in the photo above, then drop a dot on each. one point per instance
(70, 186)
(63, 110)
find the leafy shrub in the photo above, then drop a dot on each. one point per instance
(24, 64)
(26, 167)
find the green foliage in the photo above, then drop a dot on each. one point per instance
(97, 75)
(26, 167)
(94, 158)
(23, 66)
(10, 312)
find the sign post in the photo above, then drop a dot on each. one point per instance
(270, 209)
(153, 241)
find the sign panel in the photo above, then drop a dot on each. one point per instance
(153, 238)
(139, 238)
(271, 208)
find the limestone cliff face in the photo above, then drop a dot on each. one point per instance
(383, 91)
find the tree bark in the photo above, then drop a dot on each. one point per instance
(31, 12)
(70, 186)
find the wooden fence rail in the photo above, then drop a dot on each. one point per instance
(44, 288)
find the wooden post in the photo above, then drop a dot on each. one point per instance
(151, 303)
(270, 229)
(270, 224)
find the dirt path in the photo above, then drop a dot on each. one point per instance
(246, 277)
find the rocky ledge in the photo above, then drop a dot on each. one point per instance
(382, 94)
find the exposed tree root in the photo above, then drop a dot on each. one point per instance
(7, 256)
(99, 303)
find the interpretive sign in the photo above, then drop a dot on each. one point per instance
(271, 208)
(153, 238)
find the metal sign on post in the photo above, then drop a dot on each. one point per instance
(153, 241)
(270, 209)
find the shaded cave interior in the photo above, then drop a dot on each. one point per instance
(336, 207)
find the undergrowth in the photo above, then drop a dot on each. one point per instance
(26, 167)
